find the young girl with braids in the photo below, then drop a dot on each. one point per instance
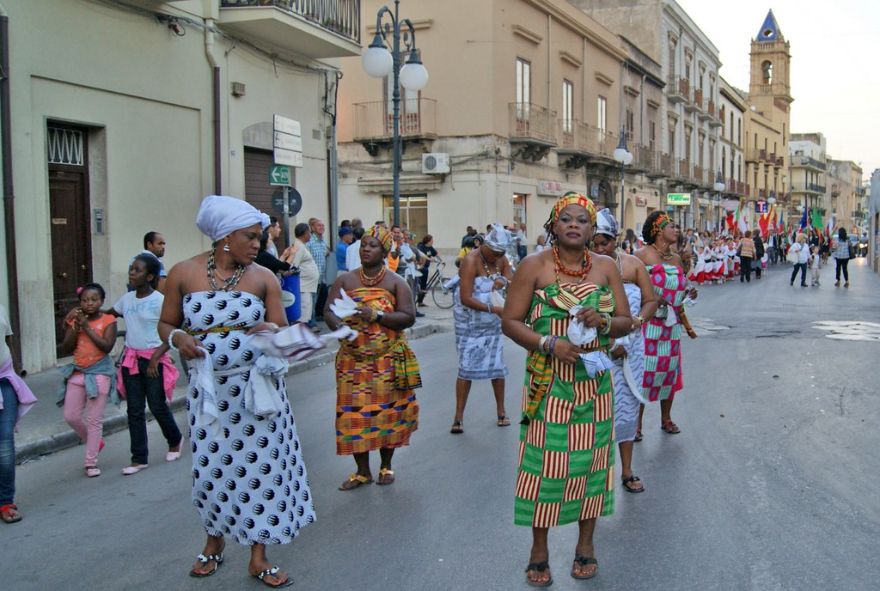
(90, 380)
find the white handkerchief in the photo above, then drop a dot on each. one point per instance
(596, 362)
(579, 334)
(496, 299)
(343, 306)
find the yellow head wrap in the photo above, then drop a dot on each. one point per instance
(383, 236)
(575, 198)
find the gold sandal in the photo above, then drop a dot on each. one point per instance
(355, 481)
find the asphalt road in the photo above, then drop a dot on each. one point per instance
(772, 483)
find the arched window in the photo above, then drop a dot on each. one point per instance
(767, 71)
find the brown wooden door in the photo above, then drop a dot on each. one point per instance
(71, 238)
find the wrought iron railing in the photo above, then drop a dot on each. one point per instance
(374, 120)
(342, 17)
(529, 121)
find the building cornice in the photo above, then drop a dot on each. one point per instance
(573, 22)
(527, 34)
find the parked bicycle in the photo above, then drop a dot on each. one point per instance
(441, 295)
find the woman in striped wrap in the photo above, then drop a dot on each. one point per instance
(566, 458)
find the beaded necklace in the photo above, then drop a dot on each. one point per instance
(489, 273)
(664, 256)
(228, 284)
(581, 273)
(368, 281)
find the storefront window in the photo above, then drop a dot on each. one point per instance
(413, 213)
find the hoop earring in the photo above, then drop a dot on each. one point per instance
(226, 247)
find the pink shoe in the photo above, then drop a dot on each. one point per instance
(93, 471)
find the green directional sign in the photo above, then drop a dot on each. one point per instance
(678, 198)
(279, 176)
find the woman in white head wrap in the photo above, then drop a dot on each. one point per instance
(249, 480)
(484, 271)
(629, 354)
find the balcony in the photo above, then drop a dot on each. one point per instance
(735, 187)
(699, 176)
(756, 155)
(665, 165)
(799, 160)
(374, 122)
(574, 143)
(808, 188)
(532, 130)
(780, 162)
(316, 29)
(643, 159)
(696, 104)
(684, 169)
(677, 89)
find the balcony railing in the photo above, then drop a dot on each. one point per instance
(800, 160)
(343, 17)
(808, 188)
(699, 175)
(375, 120)
(677, 89)
(710, 108)
(532, 123)
(665, 164)
(684, 169)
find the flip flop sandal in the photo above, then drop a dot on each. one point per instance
(386, 476)
(584, 561)
(354, 481)
(638, 436)
(632, 478)
(503, 421)
(457, 429)
(10, 513)
(271, 572)
(218, 560)
(538, 567)
(670, 427)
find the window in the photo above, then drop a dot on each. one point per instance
(739, 167)
(687, 146)
(652, 134)
(519, 209)
(739, 130)
(523, 88)
(671, 57)
(567, 106)
(767, 72)
(630, 124)
(413, 213)
(602, 122)
(672, 137)
(724, 162)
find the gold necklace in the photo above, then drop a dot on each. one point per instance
(368, 281)
(663, 256)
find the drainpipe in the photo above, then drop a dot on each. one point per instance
(8, 190)
(215, 90)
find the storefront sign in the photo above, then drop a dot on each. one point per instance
(549, 188)
(760, 207)
(678, 198)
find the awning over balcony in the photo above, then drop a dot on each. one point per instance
(325, 29)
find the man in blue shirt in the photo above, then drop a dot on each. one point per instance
(320, 251)
(345, 238)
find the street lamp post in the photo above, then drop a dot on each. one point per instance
(378, 62)
(624, 157)
(719, 185)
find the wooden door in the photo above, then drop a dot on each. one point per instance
(71, 238)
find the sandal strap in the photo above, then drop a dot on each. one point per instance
(386, 472)
(269, 571)
(205, 559)
(358, 478)
(538, 566)
(585, 560)
(632, 478)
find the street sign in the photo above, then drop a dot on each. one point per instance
(279, 176)
(287, 141)
(760, 207)
(294, 201)
(678, 199)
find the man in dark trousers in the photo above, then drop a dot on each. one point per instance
(759, 254)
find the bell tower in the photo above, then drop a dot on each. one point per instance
(769, 86)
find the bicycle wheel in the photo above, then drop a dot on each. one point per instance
(442, 297)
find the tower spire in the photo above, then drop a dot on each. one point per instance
(769, 31)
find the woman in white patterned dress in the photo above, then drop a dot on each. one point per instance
(249, 479)
(630, 350)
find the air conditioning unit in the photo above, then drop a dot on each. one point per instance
(435, 163)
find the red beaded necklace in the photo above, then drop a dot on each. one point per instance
(371, 281)
(581, 273)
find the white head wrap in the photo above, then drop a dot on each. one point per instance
(498, 238)
(606, 224)
(219, 216)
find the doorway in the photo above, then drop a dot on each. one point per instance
(69, 218)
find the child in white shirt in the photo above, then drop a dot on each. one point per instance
(815, 265)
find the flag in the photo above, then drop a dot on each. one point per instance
(780, 226)
(741, 223)
(803, 222)
(731, 224)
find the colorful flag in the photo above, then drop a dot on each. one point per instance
(803, 222)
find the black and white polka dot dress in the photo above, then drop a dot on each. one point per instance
(249, 479)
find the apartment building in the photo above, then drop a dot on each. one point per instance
(522, 105)
(732, 136)
(690, 125)
(808, 171)
(844, 195)
(125, 114)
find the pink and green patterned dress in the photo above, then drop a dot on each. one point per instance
(662, 377)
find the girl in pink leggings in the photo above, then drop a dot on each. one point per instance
(88, 381)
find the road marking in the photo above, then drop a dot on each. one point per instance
(842, 330)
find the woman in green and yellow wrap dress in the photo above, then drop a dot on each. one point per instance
(566, 457)
(377, 372)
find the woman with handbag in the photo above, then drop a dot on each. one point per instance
(799, 255)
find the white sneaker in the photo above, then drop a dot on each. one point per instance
(134, 469)
(172, 456)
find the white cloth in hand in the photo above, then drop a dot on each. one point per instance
(578, 334)
(343, 306)
(201, 376)
(261, 398)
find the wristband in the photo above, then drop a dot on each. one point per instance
(552, 344)
(489, 308)
(542, 344)
(171, 338)
(607, 329)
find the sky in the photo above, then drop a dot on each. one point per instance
(835, 64)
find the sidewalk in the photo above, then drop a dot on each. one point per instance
(43, 430)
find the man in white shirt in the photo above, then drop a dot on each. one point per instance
(353, 252)
(309, 275)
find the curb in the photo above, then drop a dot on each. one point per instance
(119, 420)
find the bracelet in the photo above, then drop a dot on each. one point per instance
(607, 329)
(489, 308)
(171, 338)
(542, 342)
(552, 344)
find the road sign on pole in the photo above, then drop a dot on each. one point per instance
(287, 141)
(279, 176)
